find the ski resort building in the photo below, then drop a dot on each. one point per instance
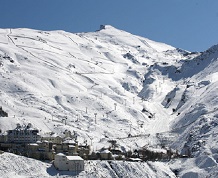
(52, 137)
(68, 163)
(23, 134)
(25, 140)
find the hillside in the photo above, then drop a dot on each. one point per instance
(110, 84)
(58, 75)
(22, 167)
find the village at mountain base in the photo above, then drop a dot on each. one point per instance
(64, 150)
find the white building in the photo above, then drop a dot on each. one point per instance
(23, 134)
(68, 163)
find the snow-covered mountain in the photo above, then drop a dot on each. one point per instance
(110, 84)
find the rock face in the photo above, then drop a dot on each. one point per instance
(3, 113)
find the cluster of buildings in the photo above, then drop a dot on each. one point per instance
(65, 151)
(26, 140)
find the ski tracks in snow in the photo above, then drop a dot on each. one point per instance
(161, 119)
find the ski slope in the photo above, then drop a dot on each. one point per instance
(110, 84)
(62, 75)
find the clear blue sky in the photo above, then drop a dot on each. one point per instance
(187, 24)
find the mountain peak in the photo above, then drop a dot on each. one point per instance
(103, 27)
(106, 27)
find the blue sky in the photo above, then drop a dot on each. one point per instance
(187, 24)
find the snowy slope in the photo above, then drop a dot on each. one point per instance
(109, 84)
(62, 75)
(22, 167)
(193, 106)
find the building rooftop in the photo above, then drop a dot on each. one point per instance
(33, 144)
(61, 154)
(105, 151)
(71, 146)
(75, 158)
